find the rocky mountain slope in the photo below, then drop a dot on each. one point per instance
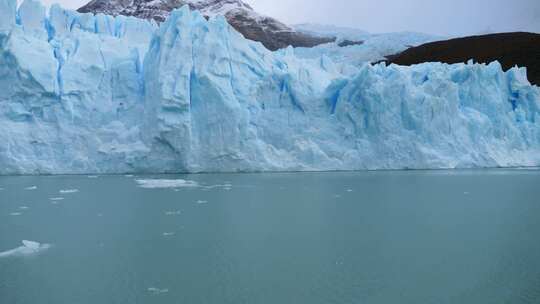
(270, 32)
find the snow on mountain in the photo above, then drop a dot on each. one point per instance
(269, 31)
(100, 94)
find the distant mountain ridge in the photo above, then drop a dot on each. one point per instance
(272, 33)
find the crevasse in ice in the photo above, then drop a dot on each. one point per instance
(98, 94)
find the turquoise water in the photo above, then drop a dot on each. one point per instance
(370, 237)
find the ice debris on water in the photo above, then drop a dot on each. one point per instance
(28, 248)
(166, 183)
(68, 191)
(31, 188)
(156, 291)
(55, 199)
(171, 213)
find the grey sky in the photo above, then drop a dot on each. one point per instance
(443, 17)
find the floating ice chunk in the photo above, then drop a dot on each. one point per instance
(15, 213)
(202, 202)
(67, 191)
(224, 186)
(28, 248)
(31, 244)
(349, 190)
(31, 188)
(166, 183)
(168, 233)
(92, 176)
(24, 207)
(170, 213)
(128, 175)
(55, 199)
(155, 290)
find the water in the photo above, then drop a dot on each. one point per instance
(372, 237)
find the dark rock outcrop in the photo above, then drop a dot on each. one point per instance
(347, 42)
(510, 49)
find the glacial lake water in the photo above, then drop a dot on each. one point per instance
(367, 237)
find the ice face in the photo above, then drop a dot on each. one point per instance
(8, 12)
(118, 95)
(32, 17)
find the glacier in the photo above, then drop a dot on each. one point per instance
(96, 94)
(371, 47)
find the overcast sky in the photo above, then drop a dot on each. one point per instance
(442, 17)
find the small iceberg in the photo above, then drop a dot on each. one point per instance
(170, 213)
(68, 191)
(31, 188)
(226, 186)
(55, 199)
(166, 183)
(155, 290)
(28, 248)
(168, 233)
(15, 213)
(202, 202)
(23, 208)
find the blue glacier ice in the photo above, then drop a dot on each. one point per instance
(98, 94)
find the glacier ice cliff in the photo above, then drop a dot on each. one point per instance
(98, 94)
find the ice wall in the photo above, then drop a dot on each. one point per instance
(71, 90)
(95, 94)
